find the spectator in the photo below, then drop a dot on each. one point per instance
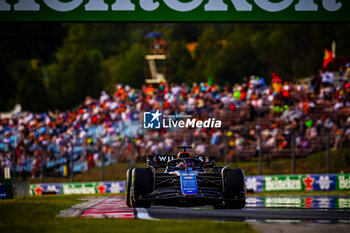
(111, 121)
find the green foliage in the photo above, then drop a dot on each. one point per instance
(31, 92)
(234, 61)
(208, 46)
(8, 88)
(74, 77)
(188, 32)
(20, 43)
(129, 67)
(180, 63)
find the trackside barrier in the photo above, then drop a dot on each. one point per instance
(305, 182)
(6, 189)
(78, 188)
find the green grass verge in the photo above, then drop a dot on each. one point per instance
(314, 163)
(37, 214)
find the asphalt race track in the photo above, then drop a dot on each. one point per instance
(263, 209)
(318, 209)
(293, 214)
(246, 214)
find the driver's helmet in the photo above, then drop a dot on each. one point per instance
(182, 166)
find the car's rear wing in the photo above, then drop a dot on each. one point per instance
(160, 161)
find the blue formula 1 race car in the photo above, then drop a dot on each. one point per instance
(184, 180)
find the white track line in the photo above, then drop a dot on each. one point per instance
(143, 214)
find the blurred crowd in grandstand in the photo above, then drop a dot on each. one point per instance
(110, 128)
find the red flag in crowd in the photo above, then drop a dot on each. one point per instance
(328, 57)
(276, 78)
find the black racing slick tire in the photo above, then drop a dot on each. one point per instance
(128, 186)
(141, 185)
(234, 185)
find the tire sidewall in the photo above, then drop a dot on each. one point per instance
(128, 187)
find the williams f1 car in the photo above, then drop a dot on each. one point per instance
(184, 180)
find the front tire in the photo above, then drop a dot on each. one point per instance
(234, 188)
(142, 184)
(128, 186)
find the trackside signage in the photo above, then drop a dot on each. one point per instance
(308, 182)
(78, 188)
(303, 182)
(6, 189)
(175, 10)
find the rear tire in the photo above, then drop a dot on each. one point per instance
(234, 188)
(128, 186)
(142, 184)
